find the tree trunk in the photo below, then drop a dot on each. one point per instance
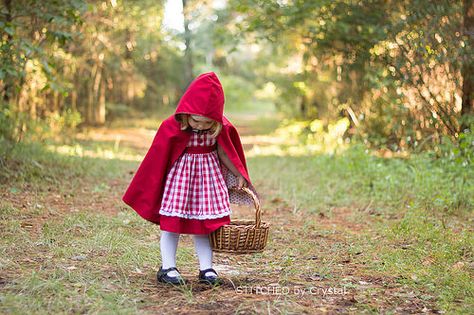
(188, 55)
(90, 96)
(303, 106)
(74, 99)
(95, 93)
(8, 57)
(100, 108)
(467, 108)
(56, 107)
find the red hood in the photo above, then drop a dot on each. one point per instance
(204, 97)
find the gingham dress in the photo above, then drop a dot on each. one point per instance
(195, 189)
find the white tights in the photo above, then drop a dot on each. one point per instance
(169, 245)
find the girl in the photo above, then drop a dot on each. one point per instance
(183, 182)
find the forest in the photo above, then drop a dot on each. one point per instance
(356, 118)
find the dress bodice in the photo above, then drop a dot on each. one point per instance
(201, 140)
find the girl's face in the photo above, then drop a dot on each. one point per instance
(200, 122)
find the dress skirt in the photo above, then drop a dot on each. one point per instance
(195, 198)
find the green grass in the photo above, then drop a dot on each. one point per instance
(53, 164)
(85, 263)
(431, 255)
(419, 202)
(356, 178)
(75, 263)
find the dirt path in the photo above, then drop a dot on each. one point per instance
(313, 263)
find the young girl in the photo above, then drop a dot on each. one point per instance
(183, 182)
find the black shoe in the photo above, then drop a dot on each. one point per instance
(162, 276)
(212, 280)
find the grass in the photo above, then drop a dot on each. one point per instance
(422, 208)
(432, 256)
(357, 178)
(397, 233)
(73, 253)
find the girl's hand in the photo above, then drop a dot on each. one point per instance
(242, 182)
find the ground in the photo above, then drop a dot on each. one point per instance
(71, 246)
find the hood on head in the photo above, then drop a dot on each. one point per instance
(204, 97)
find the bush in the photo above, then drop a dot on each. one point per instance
(118, 110)
(6, 124)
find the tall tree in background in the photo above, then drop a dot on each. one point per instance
(400, 71)
(467, 109)
(7, 49)
(81, 61)
(33, 36)
(188, 53)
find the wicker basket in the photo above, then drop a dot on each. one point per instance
(242, 236)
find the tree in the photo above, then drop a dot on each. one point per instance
(30, 32)
(467, 109)
(188, 55)
(393, 67)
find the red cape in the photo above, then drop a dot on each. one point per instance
(203, 97)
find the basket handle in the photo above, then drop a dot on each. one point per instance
(256, 203)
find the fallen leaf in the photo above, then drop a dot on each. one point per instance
(79, 257)
(458, 265)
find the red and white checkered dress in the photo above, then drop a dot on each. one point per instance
(195, 198)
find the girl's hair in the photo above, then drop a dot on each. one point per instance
(215, 129)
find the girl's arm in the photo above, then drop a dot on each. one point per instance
(225, 159)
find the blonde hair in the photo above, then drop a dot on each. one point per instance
(215, 129)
